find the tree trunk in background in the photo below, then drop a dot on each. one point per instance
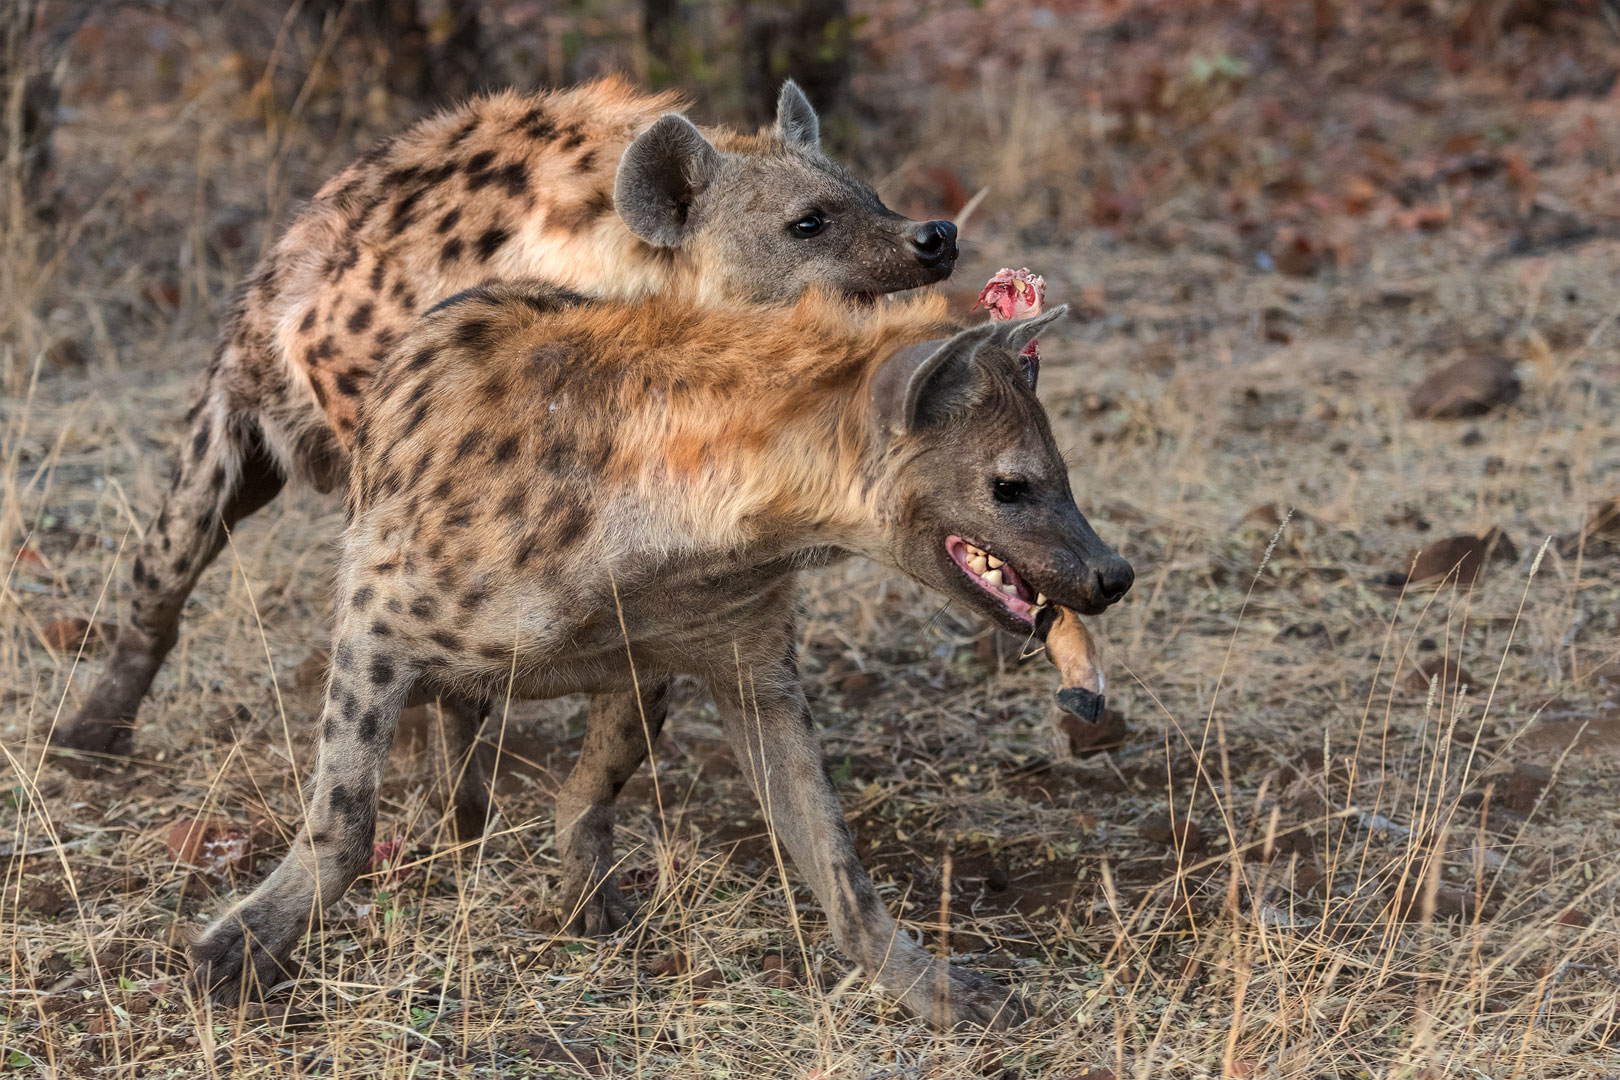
(431, 60)
(660, 33)
(28, 100)
(808, 41)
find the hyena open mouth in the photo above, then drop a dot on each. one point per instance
(997, 577)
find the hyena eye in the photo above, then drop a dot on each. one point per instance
(809, 225)
(1007, 490)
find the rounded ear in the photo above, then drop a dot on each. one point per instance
(660, 176)
(796, 120)
(1015, 335)
(921, 384)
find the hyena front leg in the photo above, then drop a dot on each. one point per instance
(769, 726)
(224, 474)
(246, 949)
(617, 735)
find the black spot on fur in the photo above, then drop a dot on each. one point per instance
(199, 445)
(448, 222)
(380, 628)
(512, 505)
(309, 322)
(378, 274)
(416, 419)
(369, 726)
(345, 657)
(473, 600)
(536, 125)
(395, 605)
(362, 597)
(473, 334)
(490, 241)
(382, 671)
(480, 162)
(346, 384)
(324, 350)
(586, 161)
(451, 252)
(424, 607)
(448, 641)
(461, 133)
(468, 444)
(360, 319)
(342, 263)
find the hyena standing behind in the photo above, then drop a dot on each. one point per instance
(554, 497)
(599, 189)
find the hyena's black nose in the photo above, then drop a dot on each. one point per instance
(934, 242)
(1114, 579)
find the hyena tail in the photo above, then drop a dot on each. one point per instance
(226, 470)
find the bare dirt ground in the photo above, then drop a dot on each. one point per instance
(1346, 826)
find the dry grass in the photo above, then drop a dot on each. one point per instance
(1377, 893)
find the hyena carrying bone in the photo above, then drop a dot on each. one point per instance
(555, 496)
(599, 189)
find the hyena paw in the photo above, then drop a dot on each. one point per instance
(966, 999)
(105, 741)
(598, 912)
(231, 960)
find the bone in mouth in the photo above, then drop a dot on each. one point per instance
(1080, 684)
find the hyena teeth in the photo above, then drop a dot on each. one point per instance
(993, 577)
(1040, 599)
(1010, 589)
(977, 564)
(995, 562)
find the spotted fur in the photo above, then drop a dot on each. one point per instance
(554, 496)
(599, 189)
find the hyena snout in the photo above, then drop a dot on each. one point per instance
(1112, 578)
(933, 243)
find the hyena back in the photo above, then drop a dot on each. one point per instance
(553, 496)
(600, 189)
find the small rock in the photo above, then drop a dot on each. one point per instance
(1181, 834)
(996, 880)
(1526, 786)
(70, 635)
(780, 972)
(49, 898)
(671, 964)
(1461, 557)
(1472, 386)
(1075, 738)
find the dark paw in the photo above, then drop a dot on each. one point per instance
(230, 962)
(967, 999)
(92, 744)
(600, 913)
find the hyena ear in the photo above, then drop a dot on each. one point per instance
(1015, 335)
(796, 120)
(922, 384)
(661, 175)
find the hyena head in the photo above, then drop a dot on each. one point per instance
(982, 507)
(773, 216)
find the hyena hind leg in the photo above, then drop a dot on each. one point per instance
(616, 742)
(225, 473)
(459, 765)
(245, 950)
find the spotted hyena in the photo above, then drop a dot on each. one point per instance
(601, 189)
(554, 496)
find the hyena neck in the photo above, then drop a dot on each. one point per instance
(779, 452)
